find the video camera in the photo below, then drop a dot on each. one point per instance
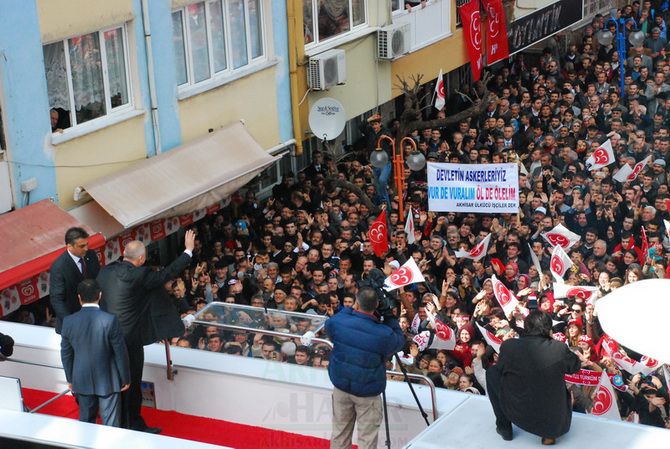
(387, 302)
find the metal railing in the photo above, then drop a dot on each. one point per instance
(420, 377)
(427, 381)
(43, 365)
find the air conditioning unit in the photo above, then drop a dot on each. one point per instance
(327, 69)
(393, 41)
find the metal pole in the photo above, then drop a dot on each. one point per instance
(621, 41)
(44, 404)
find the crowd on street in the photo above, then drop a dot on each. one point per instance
(306, 249)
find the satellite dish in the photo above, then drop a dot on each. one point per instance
(636, 314)
(327, 118)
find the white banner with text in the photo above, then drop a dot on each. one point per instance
(479, 188)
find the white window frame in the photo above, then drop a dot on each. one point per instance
(229, 72)
(118, 110)
(353, 30)
(402, 10)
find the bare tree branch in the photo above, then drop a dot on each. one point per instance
(336, 182)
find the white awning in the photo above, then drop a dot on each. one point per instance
(184, 179)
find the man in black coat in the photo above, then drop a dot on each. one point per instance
(126, 287)
(94, 358)
(163, 320)
(68, 270)
(527, 387)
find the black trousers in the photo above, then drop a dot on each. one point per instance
(493, 384)
(132, 398)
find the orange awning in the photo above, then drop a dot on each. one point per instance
(31, 238)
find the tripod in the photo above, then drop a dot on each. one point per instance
(416, 398)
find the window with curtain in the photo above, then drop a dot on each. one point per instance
(214, 38)
(325, 19)
(87, 77)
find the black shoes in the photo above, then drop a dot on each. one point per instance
(505, 433)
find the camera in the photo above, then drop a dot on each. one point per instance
(386, 302)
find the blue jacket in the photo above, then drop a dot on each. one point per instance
(361, 346)
(94, 353)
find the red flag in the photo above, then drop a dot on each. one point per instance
(496, 37)
(472, 29)
(645, 246)
(378, 235)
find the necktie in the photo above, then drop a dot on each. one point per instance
(82, 266)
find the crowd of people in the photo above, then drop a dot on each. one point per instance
(306, 248)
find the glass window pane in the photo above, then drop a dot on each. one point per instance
(333, 18)
(308, 20)
(179, 51)
(358, 12)
(238, 33)
(116, 67)
(218, 36)
(57, 88)
(87, 84)
(198, 40)
(395, 5)
(255, 28)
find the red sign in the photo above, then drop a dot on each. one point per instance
(472, 30)
(496, 37)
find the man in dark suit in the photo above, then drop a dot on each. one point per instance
(126, 286)
(94, 357)
(527, 387)
(68, 270)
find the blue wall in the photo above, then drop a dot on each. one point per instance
(165, 76)
(25, 103)
(280, 36)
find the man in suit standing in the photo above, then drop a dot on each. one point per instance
(94, 357)
(68, 270)
(126, 286)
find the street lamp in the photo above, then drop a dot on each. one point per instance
(605, 36)
(415, 161)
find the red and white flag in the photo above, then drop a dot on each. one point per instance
(647, 365)
(561, 236)
(490, 338)
(478, 251)
(422, 340)
(623, 173)
(604, 401)
(440, 98)
(472, 30)
(560, 263)
(444, 338)
(416, 322)
(645, 245)
(611, 348)
(601, 157)
(635, 171)
(497, 47)
(409, 225)
(586, 293)
(378, 235)
(505, 298)
(409, 273)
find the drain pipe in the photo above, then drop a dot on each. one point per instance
(294, 16)
(150, 74)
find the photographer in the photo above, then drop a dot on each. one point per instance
(362, 344)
